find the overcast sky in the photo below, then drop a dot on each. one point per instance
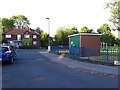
(78, 13)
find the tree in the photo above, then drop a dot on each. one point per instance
(115, 10)
(38, 30)
(86, 30)
(107, 36)
(0, 24)
(75, 30)
(104, 29)
(20, 21)
(1, 30)
(4, 41)
(106, 33)
(44, 39)
(7, 23)
(61, 37)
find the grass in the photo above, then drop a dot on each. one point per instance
(64, 52)
(113, 47)
(101, 52)
(113, 53)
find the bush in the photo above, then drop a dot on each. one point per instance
(4, 41)
(28, 47)
(27, 42)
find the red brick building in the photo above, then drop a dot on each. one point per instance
(16, 36)
(87, 41)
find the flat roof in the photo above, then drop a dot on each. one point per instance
(85, 34)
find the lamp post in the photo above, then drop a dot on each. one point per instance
(48, 33)
(119, 32)
(119, 19)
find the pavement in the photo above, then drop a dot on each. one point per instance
(82, 66)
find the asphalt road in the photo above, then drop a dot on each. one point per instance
(31, 70)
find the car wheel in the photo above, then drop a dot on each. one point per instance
(11, 61)
(14, 57)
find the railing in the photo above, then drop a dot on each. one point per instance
(60, 49)
(103, 56)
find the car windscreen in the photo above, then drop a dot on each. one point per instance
(4, 48)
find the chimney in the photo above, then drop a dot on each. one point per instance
(3, 29)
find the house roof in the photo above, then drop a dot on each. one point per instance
(84, 34)
(20, 31)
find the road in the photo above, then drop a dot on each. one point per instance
(31, 70)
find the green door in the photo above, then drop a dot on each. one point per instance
(75, 41)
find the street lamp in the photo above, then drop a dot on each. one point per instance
(119, 33)
(48, 33)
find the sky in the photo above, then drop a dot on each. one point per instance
(78, 13)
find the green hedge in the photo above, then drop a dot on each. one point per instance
(28, 47)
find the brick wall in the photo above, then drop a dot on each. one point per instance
(90, 41)
(34, 39)
(38, 41)
(14, 37)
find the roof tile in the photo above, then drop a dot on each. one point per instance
(20, 31)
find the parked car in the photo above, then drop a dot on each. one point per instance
(7, 53)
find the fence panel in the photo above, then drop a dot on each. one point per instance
(60, 49)
(103, 56)
(107, 56)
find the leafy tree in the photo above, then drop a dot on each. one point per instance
(86, 30)
(115, 10)
(107, 36)
(61, 37)
(4, 41)
(0, 24)
(44, 39)
(1, 30)
(106, 33)
(117, 41)
(39, 31)
(75, 30)
(7, 23)
(20, 21)
(104, 29)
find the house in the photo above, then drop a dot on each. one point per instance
(15, 36)
(85, 41)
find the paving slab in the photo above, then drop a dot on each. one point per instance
(112, 70)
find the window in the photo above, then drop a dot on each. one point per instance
(34, 36)
(8, 36)
(18, 37)
(27, 36)
(34, 42)
(5, 49)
